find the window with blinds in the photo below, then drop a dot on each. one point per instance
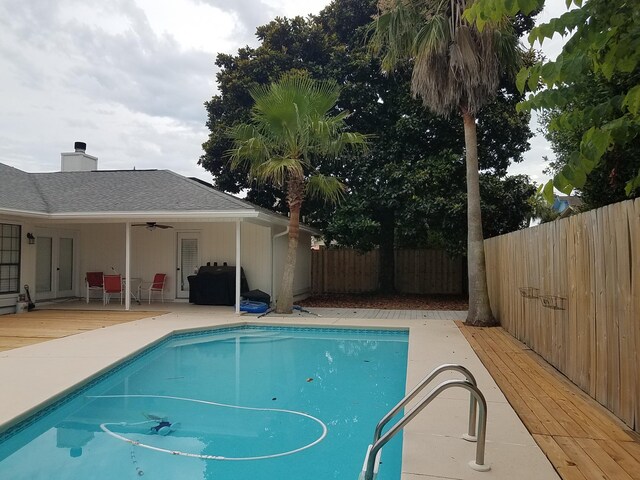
(9, 258)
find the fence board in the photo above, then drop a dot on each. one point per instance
(623, 296)
(591, 264)
(417, 271)
(634, 230)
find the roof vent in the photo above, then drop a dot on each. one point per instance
(80, 147)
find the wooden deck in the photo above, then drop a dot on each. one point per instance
(580, 437)
(24, 329)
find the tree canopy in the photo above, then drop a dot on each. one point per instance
(606, 183)
(387, 185)
(604, 44)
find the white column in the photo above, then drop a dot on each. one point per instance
(238, 266)
(127, 268)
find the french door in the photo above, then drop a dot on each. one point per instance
(55, 265)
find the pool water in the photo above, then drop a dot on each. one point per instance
(242, 403)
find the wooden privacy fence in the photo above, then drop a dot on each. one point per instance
(570, 289)
(346, 270)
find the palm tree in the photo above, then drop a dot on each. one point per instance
(456, 69)
(292, 130)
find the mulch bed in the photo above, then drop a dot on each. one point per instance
(387, 301)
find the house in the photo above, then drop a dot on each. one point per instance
(566, 205)
(55, 227)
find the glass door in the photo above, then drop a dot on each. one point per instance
(188, 261)
(55, 265)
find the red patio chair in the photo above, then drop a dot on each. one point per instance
(159, 280)
(93, 281)
(112, 284)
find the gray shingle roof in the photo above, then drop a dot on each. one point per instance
(18, 191)
(110, 191)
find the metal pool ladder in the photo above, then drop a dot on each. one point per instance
(372, 458)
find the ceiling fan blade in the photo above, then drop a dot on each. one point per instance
(151, 225)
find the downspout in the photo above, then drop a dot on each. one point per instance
(273, 271)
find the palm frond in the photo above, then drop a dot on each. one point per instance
(291, 130)
(279, 169)
(249, 146)
(325, 187)
(393, 32)
(356, 141)
(431, 37)
(454, 65)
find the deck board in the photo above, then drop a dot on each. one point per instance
(20, 330)
(581, 438)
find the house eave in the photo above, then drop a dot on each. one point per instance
(110, 217)
(158, 215)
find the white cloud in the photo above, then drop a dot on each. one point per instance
(129, 77)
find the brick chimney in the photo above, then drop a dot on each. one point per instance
(78, 161)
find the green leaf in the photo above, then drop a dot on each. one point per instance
(521, 79)
(547, 192)
(594, 143)
(632, 185)
(580, 177)
(528, 6)
(534, 76)
(511, 6)
(547, 72)
(561, 182)
(480, 23)
(632, 100)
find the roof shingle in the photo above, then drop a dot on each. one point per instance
(110, 191)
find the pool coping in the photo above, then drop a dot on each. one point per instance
(37, 375)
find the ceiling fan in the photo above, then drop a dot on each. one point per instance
(151, 225)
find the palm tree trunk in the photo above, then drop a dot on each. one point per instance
(479, 307)
(284, 303)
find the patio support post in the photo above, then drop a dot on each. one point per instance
(127, 267)
(238, 267)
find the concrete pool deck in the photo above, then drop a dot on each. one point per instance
(433, 449)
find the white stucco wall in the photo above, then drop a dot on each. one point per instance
(256, 256)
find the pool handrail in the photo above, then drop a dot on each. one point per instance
(471, 432)
(477, 464)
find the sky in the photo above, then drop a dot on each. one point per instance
(130, 77)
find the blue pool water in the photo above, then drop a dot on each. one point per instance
(243, 403)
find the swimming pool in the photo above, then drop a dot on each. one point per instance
(250, 402)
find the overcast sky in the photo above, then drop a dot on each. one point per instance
(129, 78)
